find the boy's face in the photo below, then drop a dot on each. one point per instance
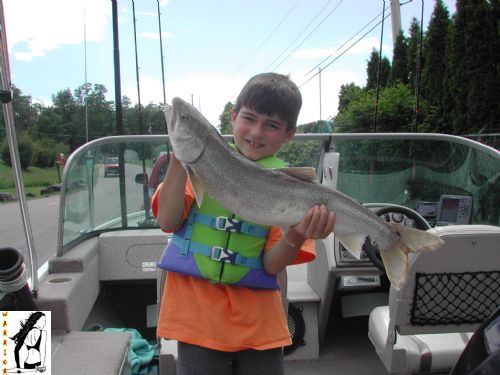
(258, 135)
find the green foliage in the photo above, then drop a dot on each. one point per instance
(377, 72)
(399, 70)
(347, 94)
(394, 115)
(321, 126)
(358, 115)
(412, 53)
(225, 126)
(471, 96)
(301, 154)
(25, 146)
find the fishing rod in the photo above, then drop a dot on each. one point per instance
(161, 54)
(119, 111)
(139, 115)
(416, 111)
(378, 70)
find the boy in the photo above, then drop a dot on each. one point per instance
(241, 326)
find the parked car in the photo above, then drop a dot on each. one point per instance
(111, 167)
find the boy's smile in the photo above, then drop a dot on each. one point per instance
(258, 135)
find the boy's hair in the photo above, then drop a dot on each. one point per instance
(272, 94)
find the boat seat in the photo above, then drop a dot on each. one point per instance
(80, 353)
(449, 293)
(168, 348)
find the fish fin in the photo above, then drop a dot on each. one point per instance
(197, 187)
(302, 173)
(353, 242)
(411, 241)
(167, 108)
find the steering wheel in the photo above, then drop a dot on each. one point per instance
(372, 252)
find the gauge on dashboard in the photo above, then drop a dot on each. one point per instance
(410, 223)
(397, 217)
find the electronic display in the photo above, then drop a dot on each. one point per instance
(427, 209)
(454, 209)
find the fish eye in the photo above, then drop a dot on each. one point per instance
(184, 117)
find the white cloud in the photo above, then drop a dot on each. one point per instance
(363, 47)
(154, 36)
(36, 27)
(148, 14)
(208, 92)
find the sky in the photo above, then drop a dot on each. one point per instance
(210, 48)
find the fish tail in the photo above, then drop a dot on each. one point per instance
(396, 258)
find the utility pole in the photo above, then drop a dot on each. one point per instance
(395, 20)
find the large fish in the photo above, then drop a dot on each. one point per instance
(281, 197)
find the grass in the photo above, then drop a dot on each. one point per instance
(34, 179)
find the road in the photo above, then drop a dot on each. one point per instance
(43, 215)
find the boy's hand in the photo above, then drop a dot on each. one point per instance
(317, 223)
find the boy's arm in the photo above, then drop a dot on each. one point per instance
(317, 223)
(171, 196)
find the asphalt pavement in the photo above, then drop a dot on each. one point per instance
(43, 214)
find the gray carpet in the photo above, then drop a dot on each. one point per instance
(345, 354)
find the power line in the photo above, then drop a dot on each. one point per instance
(309, 35)
(266, 39)
(352, 45)
(298, 36)
(343, 44)
(343, 52)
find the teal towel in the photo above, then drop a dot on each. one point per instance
(141, 352)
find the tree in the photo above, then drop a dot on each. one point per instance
(375, 72)
(347, 94)
(25, 114)
(226, 126)
(471, 102)
(432, 87)
(396, 109)
(26, 149)
(394, 115)
(358, 114)
(65, 111)
(399, 70)
(154, 119)
(412, 53)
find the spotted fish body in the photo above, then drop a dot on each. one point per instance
(281, 197)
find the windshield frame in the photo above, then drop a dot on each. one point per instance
(329, 142)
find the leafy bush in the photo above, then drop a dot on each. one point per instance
(26, 150)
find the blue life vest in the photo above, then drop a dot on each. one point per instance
(218, 246)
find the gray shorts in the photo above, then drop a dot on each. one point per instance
(196, 360)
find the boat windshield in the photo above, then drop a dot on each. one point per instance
(403, 169)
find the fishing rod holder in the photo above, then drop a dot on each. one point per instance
(15, 293)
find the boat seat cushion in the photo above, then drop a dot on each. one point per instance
(415, 353)
(79, 353)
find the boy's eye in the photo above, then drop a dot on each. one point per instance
(248, 118)
(273, 126)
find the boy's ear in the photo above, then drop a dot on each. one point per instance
(233, 117)
(290, 135)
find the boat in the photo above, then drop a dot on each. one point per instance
(105, 271)
(103, 286)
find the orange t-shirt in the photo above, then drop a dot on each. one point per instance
(222, 317)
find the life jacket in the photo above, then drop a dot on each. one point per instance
(218, 246)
